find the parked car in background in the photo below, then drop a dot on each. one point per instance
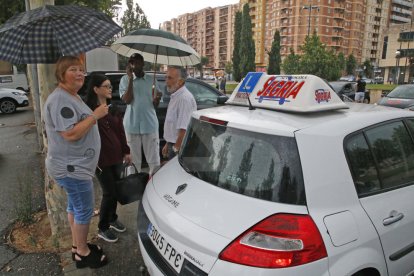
(14, 80)
(379, 80)
(10, 99)
(346, 90)
(205, 95)
(304, 184)
(368, 80)
(401, 96)
(348, 78)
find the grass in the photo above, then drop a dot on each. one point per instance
(23, 207)
(388, 87)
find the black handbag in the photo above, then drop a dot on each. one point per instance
(130, 188)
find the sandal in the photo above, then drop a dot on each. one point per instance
(91, 247)
(95, 259)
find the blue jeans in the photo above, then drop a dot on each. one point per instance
(80, 196)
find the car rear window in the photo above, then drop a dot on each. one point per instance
(404, 91)
(253, 164)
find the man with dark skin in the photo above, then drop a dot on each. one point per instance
(140, 119)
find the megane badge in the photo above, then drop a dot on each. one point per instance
(180, 189)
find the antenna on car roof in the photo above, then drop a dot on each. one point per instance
(251, 107)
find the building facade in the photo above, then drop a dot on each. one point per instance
(209, 31)
(357, 27)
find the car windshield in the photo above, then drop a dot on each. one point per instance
(403, 92)
(253, 164)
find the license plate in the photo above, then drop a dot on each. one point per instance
(169, 253)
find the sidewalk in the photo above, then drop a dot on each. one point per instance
(124, 256)
(18, 155)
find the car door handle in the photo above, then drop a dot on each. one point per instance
(394, 217)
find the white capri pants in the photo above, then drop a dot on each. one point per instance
(150, 143)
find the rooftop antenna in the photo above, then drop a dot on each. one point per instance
(251, 107)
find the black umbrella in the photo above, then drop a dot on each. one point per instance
(44, 34)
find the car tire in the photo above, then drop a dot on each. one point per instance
(366, 101)
(8, 106)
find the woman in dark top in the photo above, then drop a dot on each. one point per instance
(114, 151)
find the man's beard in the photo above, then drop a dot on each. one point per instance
(172, 89)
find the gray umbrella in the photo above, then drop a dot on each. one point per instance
(44, 34)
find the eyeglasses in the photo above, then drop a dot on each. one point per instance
(107, 86)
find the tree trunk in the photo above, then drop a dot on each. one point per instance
(54, 194)
(46, 83)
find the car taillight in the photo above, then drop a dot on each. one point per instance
(281, 240)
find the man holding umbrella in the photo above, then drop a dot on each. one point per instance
(140, 119)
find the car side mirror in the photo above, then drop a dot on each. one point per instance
(222, 99)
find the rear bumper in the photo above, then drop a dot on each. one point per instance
(155, 263)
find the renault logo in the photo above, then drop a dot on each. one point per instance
(180, 189)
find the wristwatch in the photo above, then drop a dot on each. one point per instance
(175, 150)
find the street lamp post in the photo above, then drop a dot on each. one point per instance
(310, 8)
(397, 65)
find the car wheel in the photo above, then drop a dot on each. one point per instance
(7, 106)
(366, 101)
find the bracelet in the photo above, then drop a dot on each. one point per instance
(94, 116)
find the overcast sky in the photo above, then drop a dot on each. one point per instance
(159, 11)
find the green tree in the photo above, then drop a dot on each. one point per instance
(134, 18)
(313, 60)
(10, 8)
(274, 56)
(291, 64)
(200, 67)
(109, 7)
(316, 60)
(247, 50)
(341, 61)
(368, 68)
(350, 64)
(228, 68)
(236, 48)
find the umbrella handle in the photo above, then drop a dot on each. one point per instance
(155, 64)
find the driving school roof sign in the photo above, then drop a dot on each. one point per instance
(297, 93)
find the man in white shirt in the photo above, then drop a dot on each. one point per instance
(182, 104)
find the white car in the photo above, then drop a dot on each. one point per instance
(295, 183)
(10, 99)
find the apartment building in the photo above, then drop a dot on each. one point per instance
(397, 57)
(339, 24)
(376, 22)
(209, 31)
(353, 27)
(401, 11)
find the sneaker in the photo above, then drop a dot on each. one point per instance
(107, 235)
(117, 226)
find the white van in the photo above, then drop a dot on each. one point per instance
(16, 80)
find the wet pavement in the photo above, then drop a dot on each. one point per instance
(19, 160)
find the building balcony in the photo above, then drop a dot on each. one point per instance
(339, 8)
(402, 11)
(339, 15)
(400, 19)
(338, 24)
(403, 3)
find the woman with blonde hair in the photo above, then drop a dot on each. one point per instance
(73, 152)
